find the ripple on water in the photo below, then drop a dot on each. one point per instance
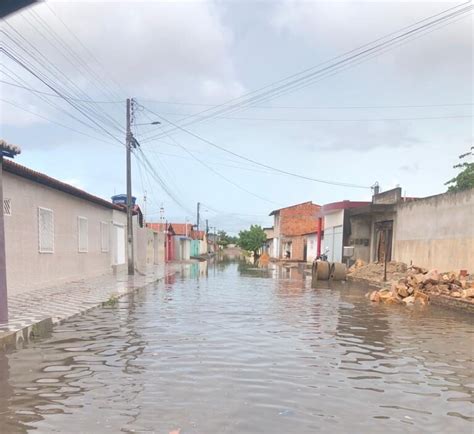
(240, 353)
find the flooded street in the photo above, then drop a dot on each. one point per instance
(234, 349)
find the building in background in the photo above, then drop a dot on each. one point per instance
(337, 229)
(268, 246)
(291, 226)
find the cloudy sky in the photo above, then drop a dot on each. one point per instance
(400, 117)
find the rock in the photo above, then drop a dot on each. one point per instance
(385, 294)
(402, 291)
(419, 278)
(454, 287)
(431, 277)
(455, 294)
(392, 300)
(421, 297)
(374, 296)
(468, 293)
(409, 300)
(410, 290)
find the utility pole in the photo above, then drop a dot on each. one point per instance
(207, 227)
(6, 150)
(144, 207)
(198, 216)
(128, 141)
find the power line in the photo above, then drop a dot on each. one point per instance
(55, 122)
(341, 184)
(306, 77)
(293, 107)
(225, 178)
(23, 65)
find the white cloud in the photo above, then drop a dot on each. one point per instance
(156, 50)
(345, 25)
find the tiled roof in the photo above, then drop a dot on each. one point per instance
(24, 172)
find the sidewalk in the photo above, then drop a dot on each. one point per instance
(33, 314)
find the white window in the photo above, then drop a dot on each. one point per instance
(45, 230)
(7, 207)
(104, 236)
(82, 234)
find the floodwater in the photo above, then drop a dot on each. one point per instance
(234, 349)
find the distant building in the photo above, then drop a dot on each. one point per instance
(268, 246)
(337, 230)
(291, 228)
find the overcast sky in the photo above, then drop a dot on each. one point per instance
(199, 54)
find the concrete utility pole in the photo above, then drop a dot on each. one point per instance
(128, 141)
(6, 150)
(198, 214)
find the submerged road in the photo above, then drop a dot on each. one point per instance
(234, 349)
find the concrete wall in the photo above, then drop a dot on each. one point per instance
(437, 232)
(388, 197)
(27, 268)
(361, 228)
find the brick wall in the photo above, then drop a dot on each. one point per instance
(299, 219)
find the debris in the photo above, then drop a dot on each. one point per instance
(414, 284)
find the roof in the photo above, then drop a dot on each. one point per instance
(40, 178)
(338, 206)
(176, 228)
(292, 206)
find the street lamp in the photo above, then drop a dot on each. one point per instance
(10, 151)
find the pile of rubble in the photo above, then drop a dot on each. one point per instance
(374, 272)
(413, 285)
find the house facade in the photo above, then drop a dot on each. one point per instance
(336, 233)
(291, 228)
(55, 232)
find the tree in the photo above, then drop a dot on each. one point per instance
(252, 239)
(224, 239)
(465, 179)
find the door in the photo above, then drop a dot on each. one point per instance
(119, 254)
(156, 259)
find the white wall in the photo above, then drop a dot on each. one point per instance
(27, 268)
(312, 247)
(437, 232)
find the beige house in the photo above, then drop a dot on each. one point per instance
(57, 233)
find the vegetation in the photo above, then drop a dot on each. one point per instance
(465, 179)
(252, 239)
(224, 239)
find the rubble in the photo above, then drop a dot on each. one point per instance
(414, 284)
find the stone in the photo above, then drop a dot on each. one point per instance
(374, 296)
(421, 297)
(410, 290)
(419, 278)
(402, 291)
(431, 277)
(454, 287)
(409, 300)
(455, 294)
(468, 293)
(385, 294)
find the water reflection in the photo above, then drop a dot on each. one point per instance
(243, 349)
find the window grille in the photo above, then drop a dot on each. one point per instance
(45, 230)
(7, 207)
(82, 229)
(104, 236)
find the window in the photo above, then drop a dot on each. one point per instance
(104, 236)
(7, 207)
(45, 230)
(82, 229)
